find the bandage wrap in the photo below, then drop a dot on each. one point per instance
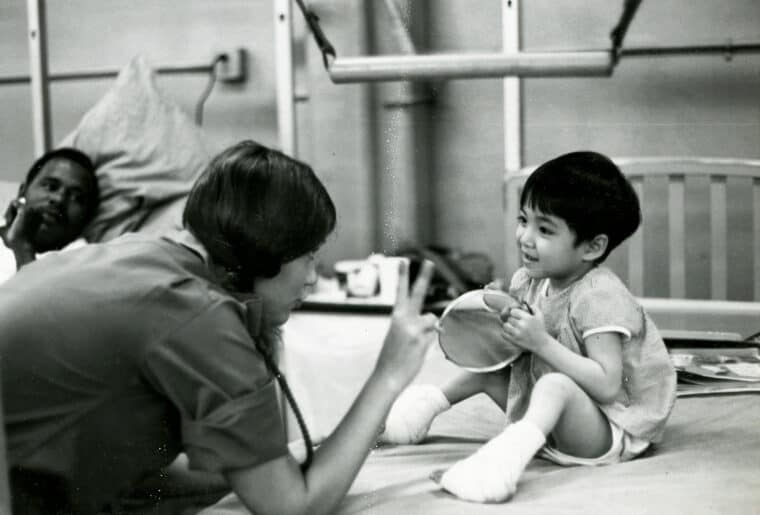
(412, 414)
(492, 473)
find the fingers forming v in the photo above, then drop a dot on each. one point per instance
(402, 287)
(420, 288)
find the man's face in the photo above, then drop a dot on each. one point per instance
(62, 194)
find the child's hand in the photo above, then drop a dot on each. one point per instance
(525, 328)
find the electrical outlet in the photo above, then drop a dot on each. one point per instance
(231, 65)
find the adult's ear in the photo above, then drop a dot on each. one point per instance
(596, 247)
(21, 190)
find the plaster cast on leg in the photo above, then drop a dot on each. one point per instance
(412, 414)
(491, 474)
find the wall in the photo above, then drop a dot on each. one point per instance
(92, 35)
(86, 35)
(685, 105)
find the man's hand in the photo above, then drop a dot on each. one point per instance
(22, 222)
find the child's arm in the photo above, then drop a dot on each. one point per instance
(600, 374)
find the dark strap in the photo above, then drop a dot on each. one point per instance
(312, 20)
(618, 33)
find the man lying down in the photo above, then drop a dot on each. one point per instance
(58, 198)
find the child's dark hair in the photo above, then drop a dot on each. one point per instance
(589, 192)
(75, 156)
(254, 209)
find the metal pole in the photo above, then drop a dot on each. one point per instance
(5, 494)
(283, 39)
(512, 119)
(512, 99)
(728, 49)
(38, 72)
(104, 74)
(403, 38)
(408, 67)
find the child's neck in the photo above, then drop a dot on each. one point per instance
(557, 284)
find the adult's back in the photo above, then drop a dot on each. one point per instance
(89, 340)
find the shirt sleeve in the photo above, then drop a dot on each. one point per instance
(227, 399)
(604, 305)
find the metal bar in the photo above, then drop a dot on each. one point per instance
(403, 37)
(408, 67)
(577, 63)
(283, 45)
(513, 151)
(726, 49)
(512, 93)
(104, 74)
(5, 493)
(38, 72)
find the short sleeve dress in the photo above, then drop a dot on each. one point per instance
(600, 302)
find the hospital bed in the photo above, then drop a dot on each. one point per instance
(707, 462)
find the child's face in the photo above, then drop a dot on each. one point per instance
(548, 248)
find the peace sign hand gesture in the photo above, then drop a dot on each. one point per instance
(410, 333)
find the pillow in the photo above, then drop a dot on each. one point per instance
(147, 153)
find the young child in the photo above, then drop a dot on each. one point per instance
(595, 385)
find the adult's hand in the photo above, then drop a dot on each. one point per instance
(280, 487)
(410, 333)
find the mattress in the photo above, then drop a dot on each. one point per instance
(707, 463)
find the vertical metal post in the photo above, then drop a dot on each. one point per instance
(512, 101)
(286, 130)
(38, 72)
(5, 495)
(283, 46)
(510, 22)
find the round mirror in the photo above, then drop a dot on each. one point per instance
(471, 331)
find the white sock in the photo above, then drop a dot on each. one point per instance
(491, 474)
(412, 414)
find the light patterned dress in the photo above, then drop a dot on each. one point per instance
(599, 302)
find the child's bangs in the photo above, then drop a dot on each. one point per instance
(546, 201)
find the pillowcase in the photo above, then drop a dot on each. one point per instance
(147, 152)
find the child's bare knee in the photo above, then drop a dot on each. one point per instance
(556, 384)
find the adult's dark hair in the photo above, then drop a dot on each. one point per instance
(589, 192)
(254, 209)
(75, 156)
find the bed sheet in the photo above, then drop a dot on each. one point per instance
(708, 462)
